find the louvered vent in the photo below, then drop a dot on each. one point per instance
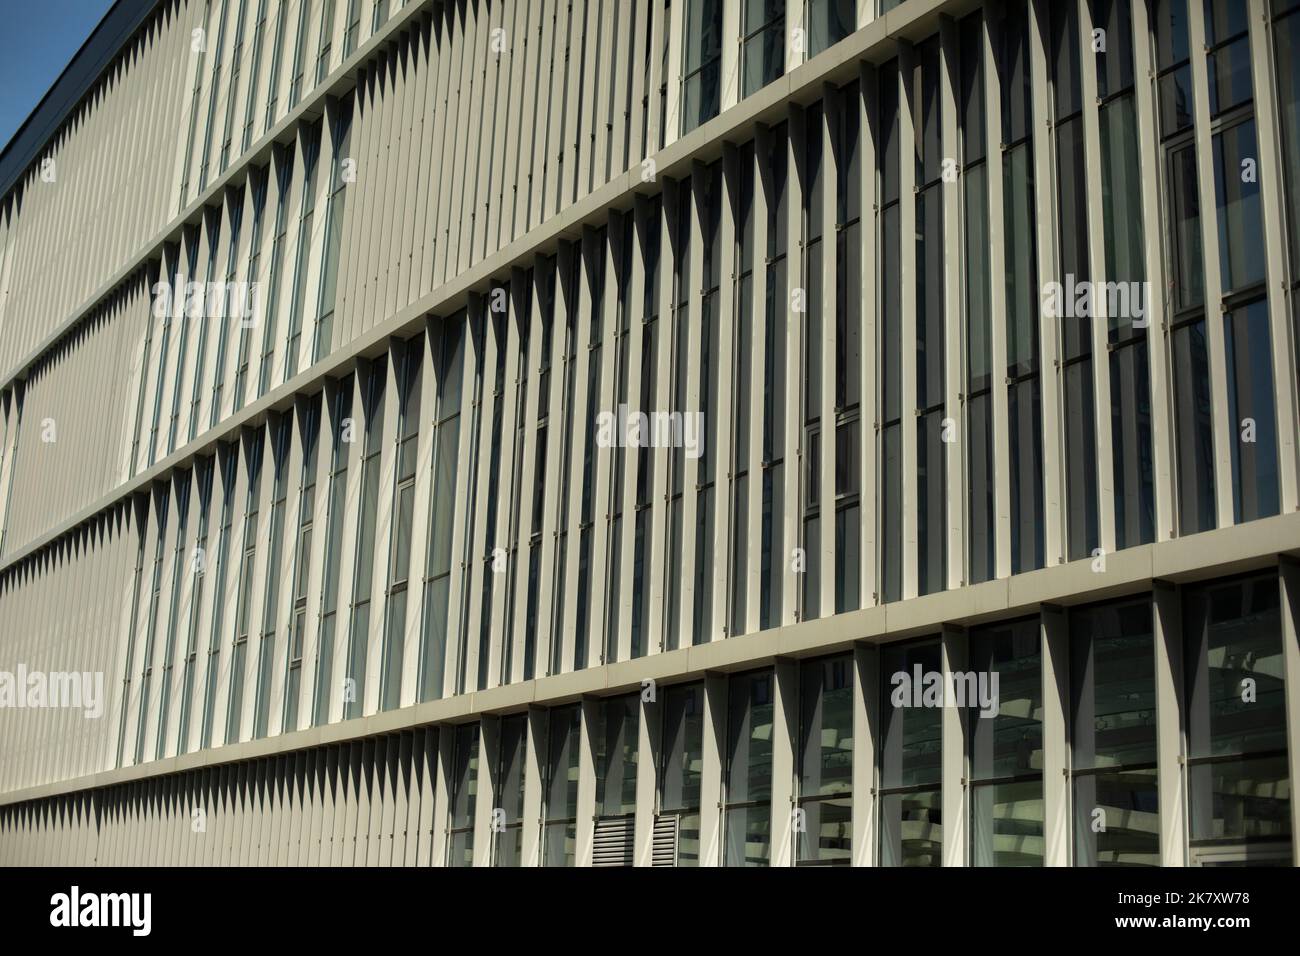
(613, 843)
(663, 848)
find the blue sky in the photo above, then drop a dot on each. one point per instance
(37, 40)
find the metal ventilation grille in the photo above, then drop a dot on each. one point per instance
(613, 842)
(663, 846)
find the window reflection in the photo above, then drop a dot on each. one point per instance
(748, 791)
(911, 828)
(1006, 756)
(824, 834)
(1113, 723)
(1236, 727)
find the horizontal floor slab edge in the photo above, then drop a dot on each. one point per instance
(1184, 560)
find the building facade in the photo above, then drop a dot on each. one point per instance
(571, 458)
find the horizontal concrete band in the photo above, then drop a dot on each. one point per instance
(1198, 557)
(805, 84)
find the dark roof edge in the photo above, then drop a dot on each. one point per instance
(77, 78)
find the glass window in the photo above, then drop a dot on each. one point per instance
(228, 456)
(829, 22)
(204, 472)
(300, 55)
(1121, 184)
(1234, 668)
(1022, 293)
(253, 443)
(1241, 230)
(1252, 425)
(302, 559)
(748, 793)
(510, 790)
(1024, 413)
(1130, 428)
(266, 653)
(448, 350)
(1286, 38)
(981, 561)
(890, 344)
(1130, 409)
(408, 362)
(1228, 54)
(683, 760)
(285, 158)
(824, 825)
(1113, 744)
(1185, 208)
(1006, 737)
(928, 350)
(1175, 77)
(464, 787)
(340, 117)
(260, 178)
(702, 69)
(324, 689)
(1063, 62)
(311, 153)
(1236, 727)
(561, 811)
(364, 555)
(617, 746)
(1195, 446)
(911, 823)
(272, 91)
(763, 46)
(1115, 64)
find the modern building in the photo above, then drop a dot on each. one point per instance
(663, 432)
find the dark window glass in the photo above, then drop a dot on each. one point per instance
(829, 22)
(702, 68)
(464, 787)
(1195, 445)
(617, 746)
(1113, 691)
(763, 56)
(1003, 693)
(1130, 432)
(1113, 735)
(1286, 37)
(1115, 65)
(1242, 256)
(1236, 729)
(562, 786)
(824, 831)
(1129, 805)
(509, 797)
(1252, 425)
(826, 722)
(1024, 414)
(683, 748)
(1234, 668)
(747, 841)
(911, 831)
